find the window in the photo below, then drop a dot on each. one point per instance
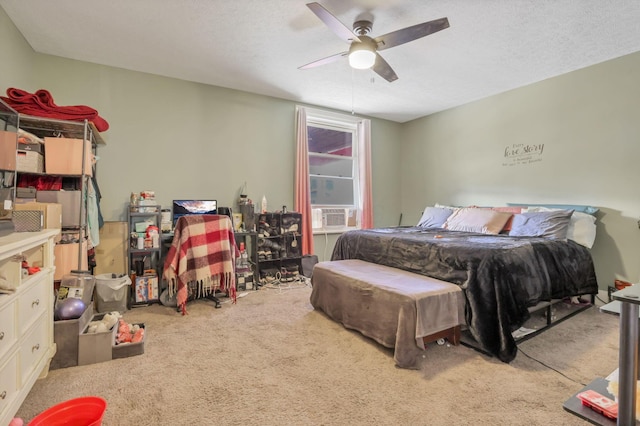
(333, 171)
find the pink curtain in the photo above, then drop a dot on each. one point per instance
(302, 197)
(364, 158)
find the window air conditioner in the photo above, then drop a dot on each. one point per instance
(334, 218)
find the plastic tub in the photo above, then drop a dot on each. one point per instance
(77, 285)
(84, 411)
(112, 293)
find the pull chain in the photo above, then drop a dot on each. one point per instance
(352, 90)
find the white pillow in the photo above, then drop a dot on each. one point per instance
(582, 226)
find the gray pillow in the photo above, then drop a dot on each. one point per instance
(434, 217)
(553, 225)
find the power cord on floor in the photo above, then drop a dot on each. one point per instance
(550, 367)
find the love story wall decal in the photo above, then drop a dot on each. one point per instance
(520, 153)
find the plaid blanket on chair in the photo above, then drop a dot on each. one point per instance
(203, 252)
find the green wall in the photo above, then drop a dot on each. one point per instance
(588, 123)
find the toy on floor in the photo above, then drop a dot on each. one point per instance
(129, 333)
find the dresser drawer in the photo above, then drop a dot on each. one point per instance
(33, 302)
(8, 383)
(33, 348)
(7, 326)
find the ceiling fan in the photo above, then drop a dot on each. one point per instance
(363, 50)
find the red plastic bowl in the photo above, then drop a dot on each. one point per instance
(84, 411)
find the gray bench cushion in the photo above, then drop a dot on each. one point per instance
(396, 308)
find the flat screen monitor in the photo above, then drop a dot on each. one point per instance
(185, 207)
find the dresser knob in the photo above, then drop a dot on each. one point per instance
(1, 335)
(35, 348)
(35, 302)
(3, 395)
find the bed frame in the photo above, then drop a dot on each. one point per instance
(504, 279)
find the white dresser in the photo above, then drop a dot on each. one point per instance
(26, 316)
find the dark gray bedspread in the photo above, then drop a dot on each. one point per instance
(501, 276)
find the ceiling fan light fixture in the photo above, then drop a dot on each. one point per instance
(361, 57)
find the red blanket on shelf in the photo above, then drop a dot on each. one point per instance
(41, 104)
(203, 251)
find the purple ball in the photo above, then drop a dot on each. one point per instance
(69, 308)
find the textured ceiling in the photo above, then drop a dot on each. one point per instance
(258, 45)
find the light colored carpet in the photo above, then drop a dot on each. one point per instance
(272, 360)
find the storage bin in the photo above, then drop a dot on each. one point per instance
(29, 161)
(63, 156)
(66, 335)
(96, 347)
(124, 350)
(70, 201)
(77, 284)
(112, 292)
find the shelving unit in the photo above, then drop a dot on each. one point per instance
(86, 135)
(279, 248)
(149, 255)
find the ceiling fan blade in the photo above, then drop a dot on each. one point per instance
(324, 61)
(408, 34)
(333, 23)
(383, 69)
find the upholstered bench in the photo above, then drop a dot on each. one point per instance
(396, 308)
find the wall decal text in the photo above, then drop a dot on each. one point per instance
(520, 153)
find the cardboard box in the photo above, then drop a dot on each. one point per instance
(8, 141)
(111, 253)
(66, 335)
(96, 347)
(63, 156)
(52, 213)
(146, 288)
(29, 161)
(66, 259)
(70, 201)
(124, 350)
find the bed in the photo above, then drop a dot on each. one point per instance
(501, 276)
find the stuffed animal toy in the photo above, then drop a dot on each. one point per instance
(105, 324)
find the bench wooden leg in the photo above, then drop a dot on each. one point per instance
(451, 334)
